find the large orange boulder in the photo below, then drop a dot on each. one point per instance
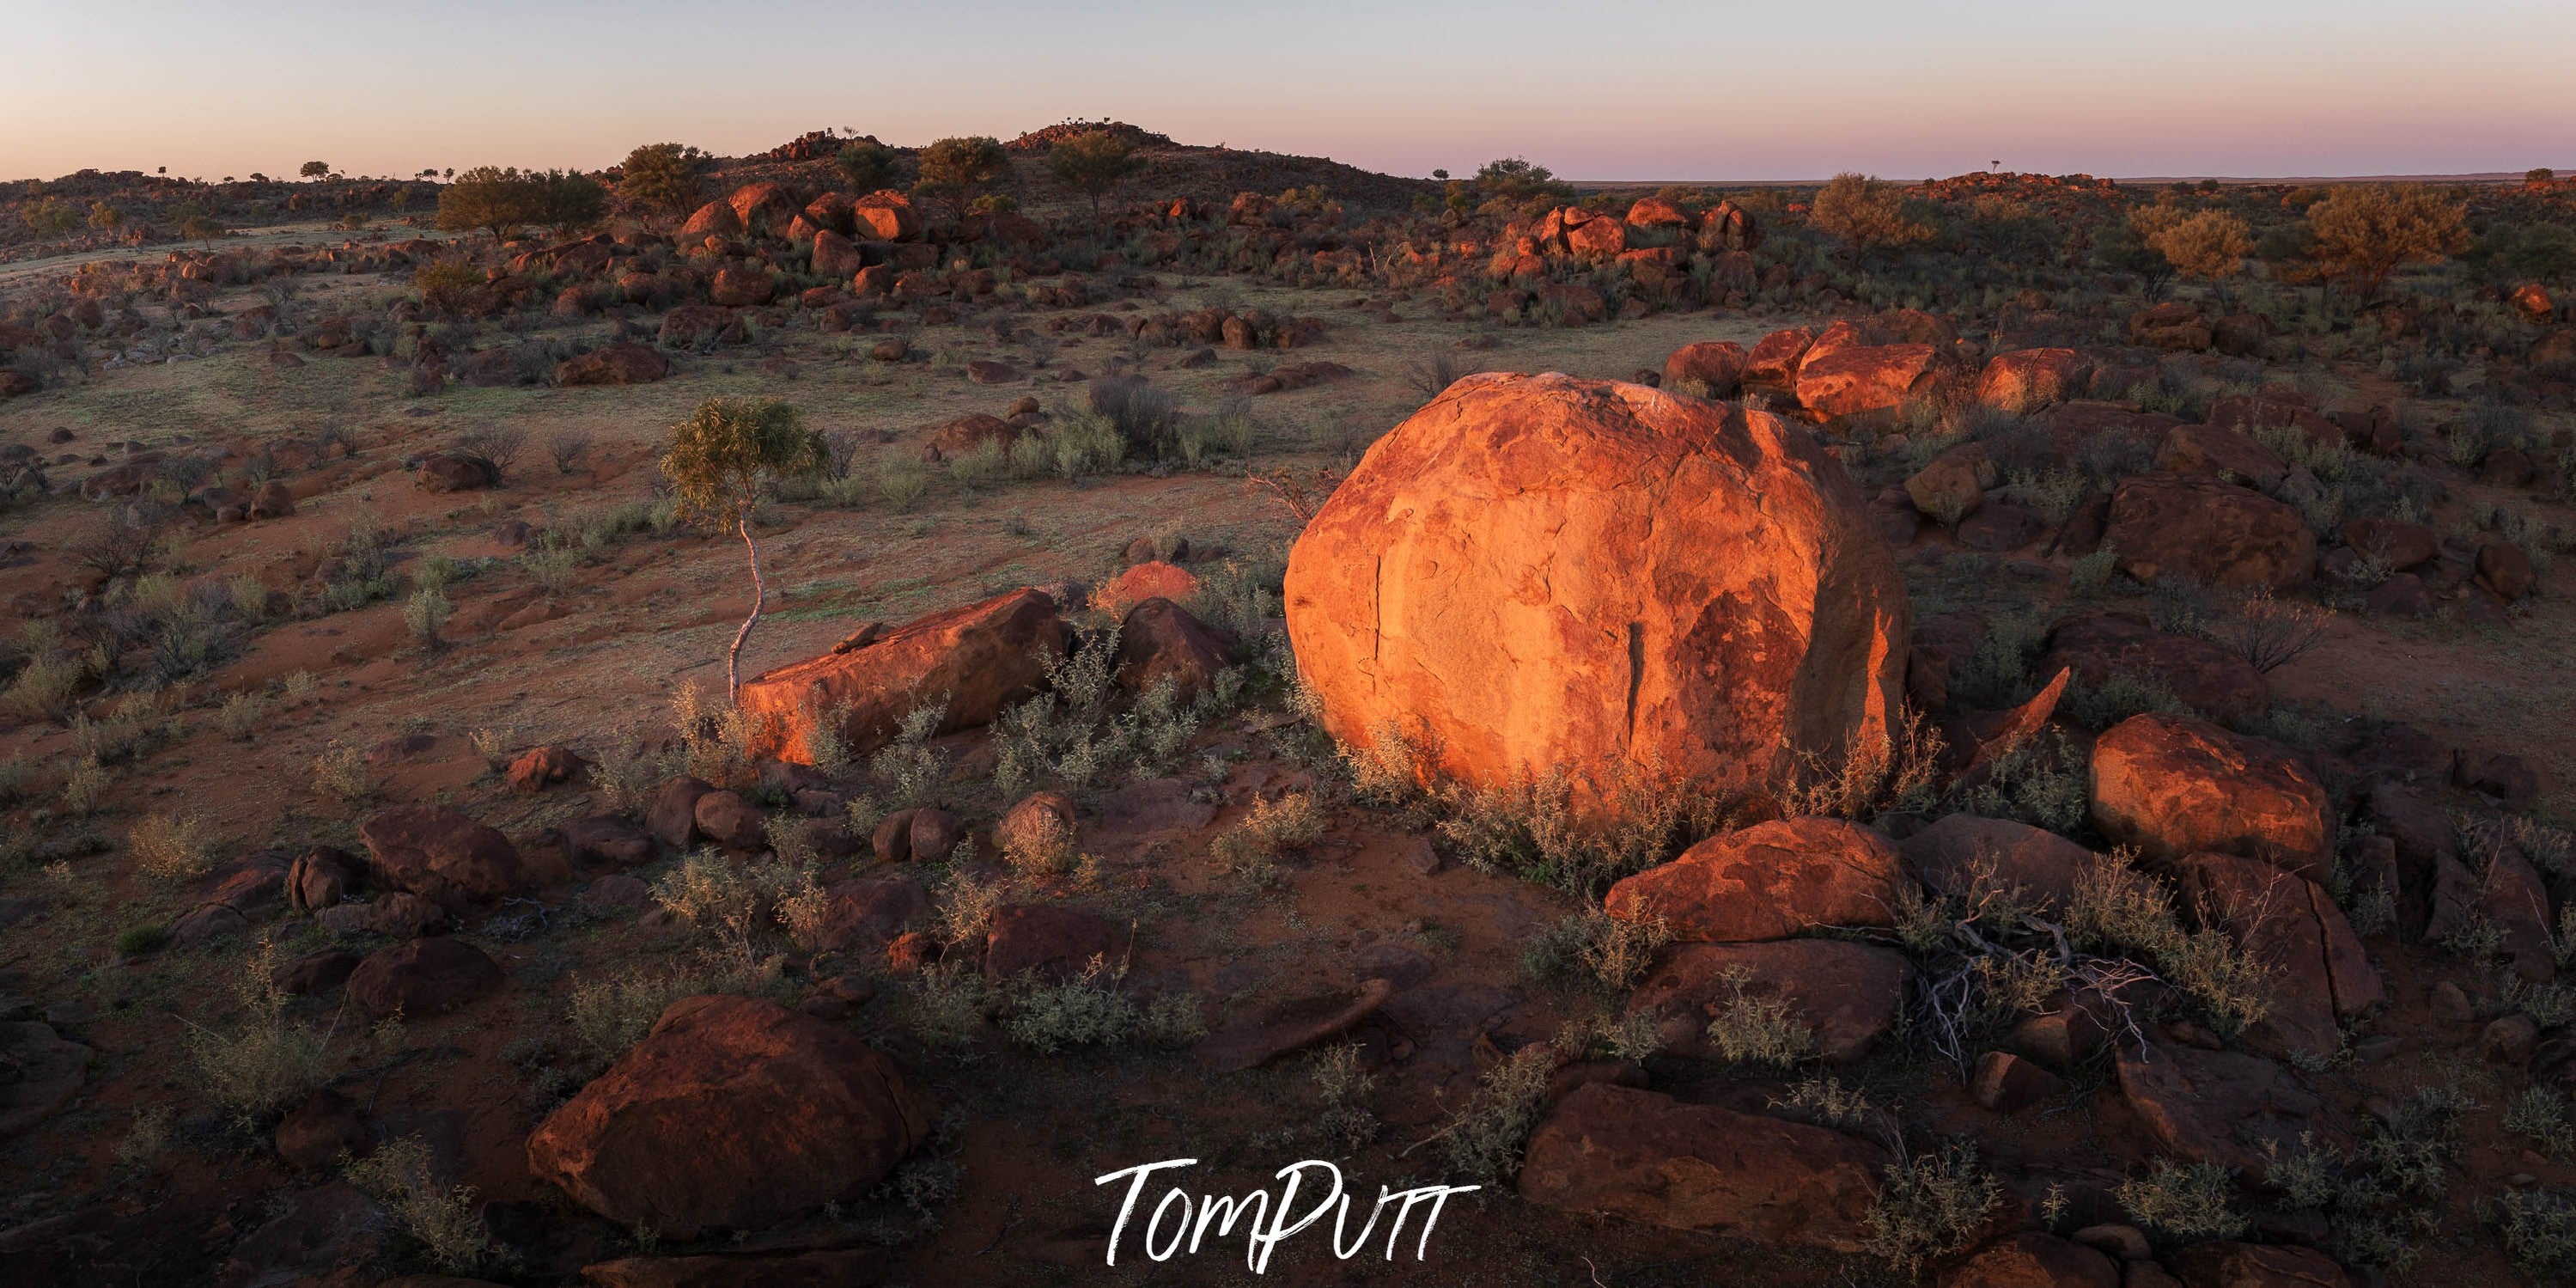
(1855, 379)
(1770, 881)
(2174, 785)
(886, 216)
(1539, 575)
(714, 219)
(979, 658)
(2026, 380)
(765, 206)
(732, 1113)
(738, 288)
(2206, 530)
(1708, 368)
(1775, 357)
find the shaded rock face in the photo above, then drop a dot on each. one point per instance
(2208, 531)
(433, 850)
(732, 1113)
(2100, 647)
(983, 656)
(1538, 574)
(2227, 1264)
(2174, 785)
(2034, 1260)
(1769, 881)
(1846, 995)
(2318, 972)
(1646, 1157)
(1963, 851)
(422, 978)
(2221, 1106)
(44, 1069)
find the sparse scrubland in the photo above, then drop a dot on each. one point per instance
(2017, 723)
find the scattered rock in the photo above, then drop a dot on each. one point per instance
(434, 850)
(1770, 881)
(1641, 1156)
(2174, 785)
(2221, 1106)
(2031, 1259)
(541, 767)
(422, 978)
(318, 1133)
(731, 1113)
(983, 656)
(1959, 850)
(2008, 1084)
(2208, 531)
(43, 1071)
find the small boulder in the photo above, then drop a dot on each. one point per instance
(1960, 851)
(2008, 1084)
(1050, 941)
(1641, 1156)
(2175, 785)
(2032, 1259)
(433, 850)
(983, 656)
(2212, 532)
(671, 812)
(1160, 643)
(320, 1132)
(1846, 995)
(730, 821)
(422, 978)
(1770, 881)
(541, 767)
(731, 1113)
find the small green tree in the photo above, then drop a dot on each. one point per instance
(104, 217)
(2210, 245)
(1092, 163)
(2364, 231)
(718, 462)
(1517, 179)
(661, 181)
(314, 169)
(491, 199)
(567, 200)
(48, 217)
(1867, 214)
(958, 168)
(2544, 253)
(867, 164)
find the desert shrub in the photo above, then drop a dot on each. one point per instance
(1091, 1010)
(425, 613)
(84, 787)
(909, 767)
(263, 1061)
(988, 462)
(1086, 443)
(901, 479)
(565, 448)
(1828, 1101)
(2187, 1202)
(1866, 213)
(1342, 1085)
(2041, 781)
(1529, 829)
(2270, 632)
(143, 1143)
(1043, 846)
(1598, 950)
(1875, 775)
(1431, 374)
(2363, 232)
(1757, 1030)
(172, 847)
(743, 907)
(46, 688)
(1239, 596)
(945, 1005)
(16, 777)
(610, 1015)
(964, 913)
(1484, 1137)
(445, 1220)
(1146, 418)
(2122, 695)
(2539, 1115)
(142, 940)
(2539, 1230)
(242, 715)
(1271, 828)
(1931, 1205)
(2117, 909)
(715, 742)
(497, 446)
(341, 771)
(2410, 1152)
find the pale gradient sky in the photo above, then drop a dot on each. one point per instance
(1637, 90)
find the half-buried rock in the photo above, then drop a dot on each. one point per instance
(732, 1113)
(979, 659)
(1844, 995)
(1647, 1157)
(1770, 881)
(1540, 575)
